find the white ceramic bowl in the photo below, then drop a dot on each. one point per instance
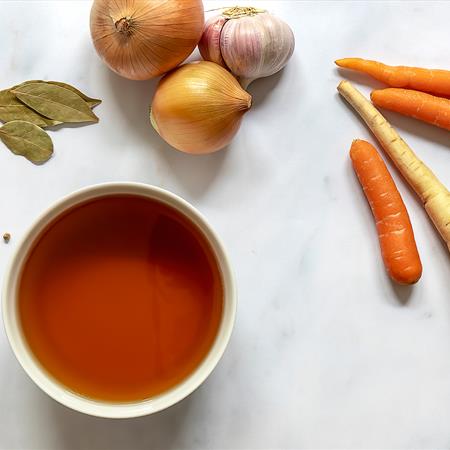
(57, 390)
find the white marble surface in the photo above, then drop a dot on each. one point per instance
(326, 352)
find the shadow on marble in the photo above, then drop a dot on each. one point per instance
(262, 88)
(359, 78)
(163, 430)
(417, 128)
(195, 172)
(401, 292)
(70, 125)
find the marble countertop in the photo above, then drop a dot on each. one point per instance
(326, 351)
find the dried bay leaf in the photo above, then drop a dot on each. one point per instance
(28, 140)
(24, 83)
(12, 109)
(8, 98)
(22, 112)
(92, 102)
(89, 100)
(35, 104)
(55, 102)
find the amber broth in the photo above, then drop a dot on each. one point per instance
(121, 298)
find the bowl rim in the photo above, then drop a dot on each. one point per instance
(45, 381)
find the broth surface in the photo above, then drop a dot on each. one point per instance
(121, 298)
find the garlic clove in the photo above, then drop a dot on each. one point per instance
(209, 45)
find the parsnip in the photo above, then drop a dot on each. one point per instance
(434, 195)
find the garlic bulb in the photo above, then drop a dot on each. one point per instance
(250, 42)
(198, 107)
(141, 39)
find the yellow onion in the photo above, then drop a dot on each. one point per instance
(198, 107)
(141, 39)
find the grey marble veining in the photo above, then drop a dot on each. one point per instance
(326, 352)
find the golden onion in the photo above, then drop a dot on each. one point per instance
(141, 39)
(198, 107)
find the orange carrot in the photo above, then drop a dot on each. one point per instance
(426, 107)
(395, 232)
(436, 81)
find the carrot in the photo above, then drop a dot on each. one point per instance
(395, 233)
(436, 81)
(434, 195)
(426, 107)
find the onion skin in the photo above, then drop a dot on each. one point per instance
(142, 39)
(198, 107)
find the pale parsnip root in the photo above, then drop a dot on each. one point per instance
(434, 195)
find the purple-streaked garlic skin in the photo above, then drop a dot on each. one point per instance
(256, 46)
(209, 45)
